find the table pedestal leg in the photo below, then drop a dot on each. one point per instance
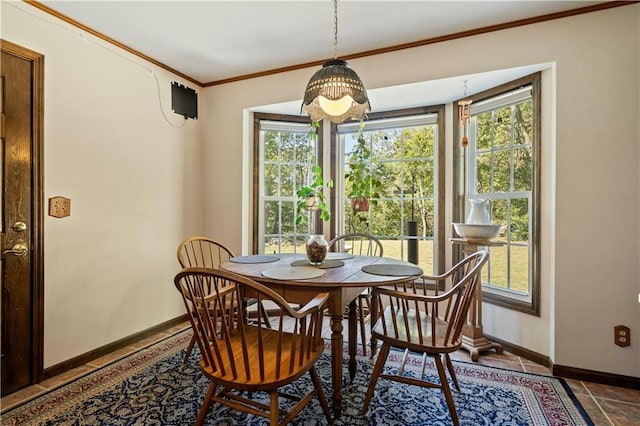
(336, 362)
(473, 339)
(475, 346)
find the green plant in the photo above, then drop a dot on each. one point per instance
(311, 197)
(363, 176)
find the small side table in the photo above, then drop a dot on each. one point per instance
(473, 340)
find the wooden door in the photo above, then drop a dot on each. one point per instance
(21, 209)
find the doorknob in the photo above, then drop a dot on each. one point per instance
(19, 226)
(19, 249)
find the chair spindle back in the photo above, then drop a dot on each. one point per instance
(244, 353)
(357, 243)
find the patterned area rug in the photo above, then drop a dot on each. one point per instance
(153, 387)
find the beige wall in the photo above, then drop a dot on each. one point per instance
(590, 206)
(133, 181)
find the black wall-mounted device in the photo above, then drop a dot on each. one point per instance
(184, 100)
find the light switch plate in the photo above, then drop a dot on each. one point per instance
(59, 207)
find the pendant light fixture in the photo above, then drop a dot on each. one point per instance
(464, 115)
(335, 92)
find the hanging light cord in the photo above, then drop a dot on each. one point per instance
(335, 29)
(107, 47)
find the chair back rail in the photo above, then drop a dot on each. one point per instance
(202, 251)
(357, 243)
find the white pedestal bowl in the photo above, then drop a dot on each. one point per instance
(477, 232)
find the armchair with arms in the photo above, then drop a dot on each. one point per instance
(412, 320)
(240, 358)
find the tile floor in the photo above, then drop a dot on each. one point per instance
(606, 405)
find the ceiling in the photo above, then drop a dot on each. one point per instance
(211, 41)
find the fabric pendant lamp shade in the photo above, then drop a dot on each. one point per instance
(335, 92)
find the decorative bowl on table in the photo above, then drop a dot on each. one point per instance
(476, 231)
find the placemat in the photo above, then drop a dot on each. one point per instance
(328, 263)
(256, 258)
(392, 270)
(297, 273)
(340, 255)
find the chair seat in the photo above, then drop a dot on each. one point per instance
(299, 365)
(412, 336)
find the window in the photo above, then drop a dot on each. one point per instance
(408, 216)
(502, 163)
(408, 147)
(283, 153)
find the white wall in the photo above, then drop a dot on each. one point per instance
(133, 180)
(590, 277)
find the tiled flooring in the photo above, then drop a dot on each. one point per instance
(606, 405)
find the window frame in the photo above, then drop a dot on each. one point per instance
(496, 296)
(439, 171)
(256, 178)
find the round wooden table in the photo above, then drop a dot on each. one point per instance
(343, 283)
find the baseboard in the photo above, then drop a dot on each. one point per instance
(570, 372)
(79, 360)
(596, 377)
(522, 352)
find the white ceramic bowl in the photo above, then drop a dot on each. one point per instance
(477, 232)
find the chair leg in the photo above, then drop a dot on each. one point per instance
(361, 319)
(205, 405)
(189, 349)
(446, 389)
(452, 372)
(373, 318)
(265, 316)
(274, 409)
(323, 401)
(382, 358)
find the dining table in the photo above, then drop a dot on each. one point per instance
(342, 275)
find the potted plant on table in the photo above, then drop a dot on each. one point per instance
(362, 175)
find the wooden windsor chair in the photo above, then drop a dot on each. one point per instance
(206, 252)
(360, 244)
(240, 357)
(412, 320)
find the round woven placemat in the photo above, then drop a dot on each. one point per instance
(256, 258)
(297, 273)
(328, 263)
(392, 270)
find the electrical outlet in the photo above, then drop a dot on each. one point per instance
(621, 335)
